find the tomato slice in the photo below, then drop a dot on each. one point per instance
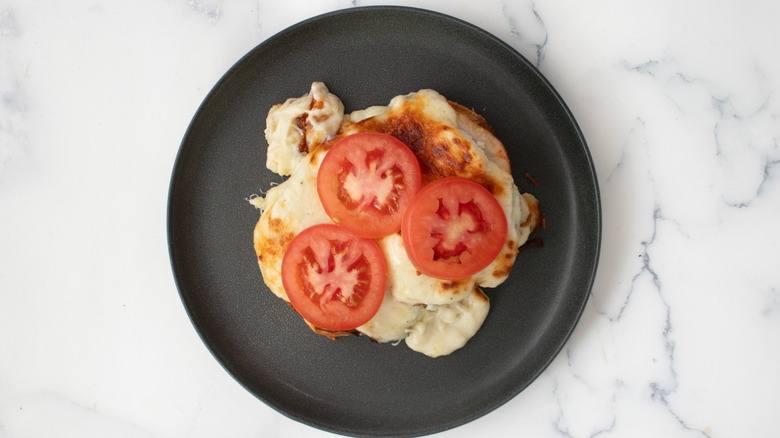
(333, 278)
(453, 229)
(366, 181)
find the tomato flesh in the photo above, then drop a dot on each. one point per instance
(453, 229)
(333, 278)
(366, 181)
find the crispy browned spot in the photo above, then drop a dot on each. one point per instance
(330, 334)
(472, 115)
(276, 246)
(300, 122)
(452, 284)
(534, 219)
(315, 158)
(277, 227)
(481, 295)
(317, 104)
(502, 271)
(506, 262)
(441, 150)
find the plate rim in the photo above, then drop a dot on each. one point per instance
(351, 11)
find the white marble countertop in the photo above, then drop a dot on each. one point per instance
(679, 103)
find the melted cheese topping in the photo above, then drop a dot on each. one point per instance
(296, 126)
(444, 329)
(393, 320)
(411, 287)
(434, 316)
(290, 208)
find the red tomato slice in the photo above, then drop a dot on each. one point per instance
(366, 181)
(334, 279)
(453, 229)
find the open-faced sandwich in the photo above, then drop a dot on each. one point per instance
(392, 218)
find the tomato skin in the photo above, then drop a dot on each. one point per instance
(453, 229)
(333, 278)
(366, 181)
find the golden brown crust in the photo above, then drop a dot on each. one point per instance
(330, 334)
(534, 219)
(475, 126)
(442, 150)
(473, 116)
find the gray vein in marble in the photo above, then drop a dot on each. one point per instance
(648, 275)
(768, 176)
(515, 29)
(559, 425)
(540, 48)
(647, 67)
(638, 126)
(665, 69)
(571, 366)
(770, 167)
(726, 111)
(562, 428)
(659, 391)
(605, 430)
(646, 266)
(733, 126)
(660, 394)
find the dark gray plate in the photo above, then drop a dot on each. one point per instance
(355, 386)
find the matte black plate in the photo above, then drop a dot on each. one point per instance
(353, 385)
